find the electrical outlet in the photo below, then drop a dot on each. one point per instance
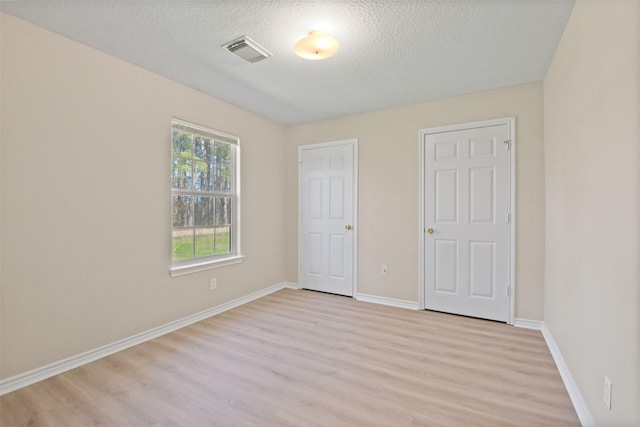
(213, 284)
(607, 392)
(384, 269)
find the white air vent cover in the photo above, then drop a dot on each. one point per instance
(247, 49)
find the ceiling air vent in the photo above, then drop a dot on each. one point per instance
(247, 49)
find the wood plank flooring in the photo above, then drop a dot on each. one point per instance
(302, 358)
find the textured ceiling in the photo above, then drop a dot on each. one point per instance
(391, 53)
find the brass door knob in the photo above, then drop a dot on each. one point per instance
(347, 227)
(430, 230)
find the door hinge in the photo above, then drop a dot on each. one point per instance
(508, 291)
(508, 142)
(508, 217)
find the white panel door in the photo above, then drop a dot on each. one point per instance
(466, 222)
(326, 191)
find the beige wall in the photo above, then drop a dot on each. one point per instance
(388, 188)
(85, 199)
(592, 145)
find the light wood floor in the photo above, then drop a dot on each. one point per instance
(301, 358)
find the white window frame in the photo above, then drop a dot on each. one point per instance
(179, 268)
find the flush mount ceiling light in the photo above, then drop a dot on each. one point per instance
(316, 45)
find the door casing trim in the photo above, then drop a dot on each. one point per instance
(511, 183)
(353, 142)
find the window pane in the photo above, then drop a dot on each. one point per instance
(181, 144)
(203, 148)
(223, 241)
(204, 209)
(182, 247)
(209, 147)
(221, 168)
(182, 211)
(212, 175)
(222, 179)
(201, 176)
(202, 163)
(223, 210)
(181, 174)
(204, 242)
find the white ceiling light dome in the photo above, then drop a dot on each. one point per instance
(317, 45)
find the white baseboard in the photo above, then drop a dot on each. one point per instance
(569, 383)
(373, 298)
(578, 401)
(528, 324)
(387, 301)
(27, 378)
(291, 285)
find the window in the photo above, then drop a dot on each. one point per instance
(204, 198)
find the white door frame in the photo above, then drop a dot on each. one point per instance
(510, 122)
(353, 142)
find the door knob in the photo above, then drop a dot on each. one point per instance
(430, 230)
(347, 227)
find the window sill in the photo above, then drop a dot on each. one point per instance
(206, 265)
